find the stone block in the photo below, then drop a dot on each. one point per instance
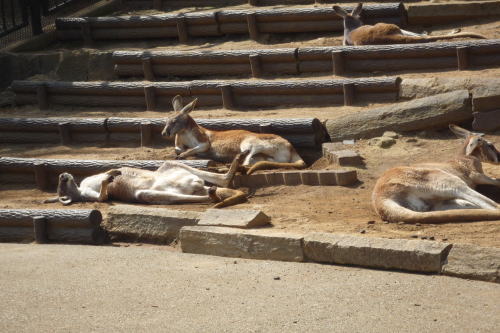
(344, 157)
(275, 178)
(255, 180)
(346, 177)
(154, 225)
(486, 121)
(486, 98)
(240, 243)
(292, 178)
(327, 177)
(473, 262)
(309, 177)
(408, 255)
(237, 218)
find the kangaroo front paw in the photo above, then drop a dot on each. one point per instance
(178, 151)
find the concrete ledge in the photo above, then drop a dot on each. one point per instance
(473, 262)
(340, 177)
(450, 12)
(341, 157)
(236, 218)
(250, 244)
(409, 255)
(154, 225)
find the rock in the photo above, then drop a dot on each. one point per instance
(418, 88)
(371, 222)
(153, 225)
(384, 142)
(391, 134)
(473, 262)
(411, 140)
(409, 255)
(486, 98)
(420, 114)
(240, 243)
(343, 157)
(486, 121)
(238, 218)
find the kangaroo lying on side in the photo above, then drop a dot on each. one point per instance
(356, 33)
(440, 192)
(265, 150)
(173, 182)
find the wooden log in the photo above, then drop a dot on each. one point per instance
(348, 89)
(88, 125)
(227, 96)
(255, 65)
(42, 97)
(64, 132)
(86, 32)
(150, 97)
(462, 57)
(182, 29)
(338, 62)
(56, 218)
(146, 133)
(18, 137)
(41, 175)
(158, 4)
(86, 167)
(40, 229)
(253, 29)
(94, 236)
(147, 69)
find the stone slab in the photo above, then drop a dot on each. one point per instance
(343, 157)
(152, 225)
(408, 255)
(236, 218)
(431, 112)
(486, 98)
(241, 243)
(486, 121)
(473, 262)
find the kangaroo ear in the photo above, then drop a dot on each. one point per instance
(188, 108)
(177, 103)
(357, 11)
(339, 11)
(459, 131)
(471, 145)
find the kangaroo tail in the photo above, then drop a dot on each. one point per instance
(392, 211)
(270, 165)
(452, 36)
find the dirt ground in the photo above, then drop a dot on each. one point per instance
(299, 208)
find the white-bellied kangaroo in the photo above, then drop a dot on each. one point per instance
(265, 150)
(173, 182)
(440, 192)
(357, 33)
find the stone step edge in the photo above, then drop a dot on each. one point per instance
(340, 177)
(260, 244)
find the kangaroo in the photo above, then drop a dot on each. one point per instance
(440, 192)
(357, 33)
(265, 150)
(173, 182)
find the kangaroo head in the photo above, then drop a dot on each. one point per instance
(352, 20)
(67, 190)
(476, 145)
(181, 120)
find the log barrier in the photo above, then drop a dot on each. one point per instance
(228, 94)
(301, 132)
(44, 172)
(337, 60)
(219, 23)
(52, 225)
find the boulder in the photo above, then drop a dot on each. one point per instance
(486, 98)
(237, 218)
(240, 243)
(408, 255)
(436, 111)
(473, 262)
(152, 225)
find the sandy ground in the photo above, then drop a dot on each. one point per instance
(68, 288)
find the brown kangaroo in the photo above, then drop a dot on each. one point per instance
(357, 33)
(440, 192)
(265, 150)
